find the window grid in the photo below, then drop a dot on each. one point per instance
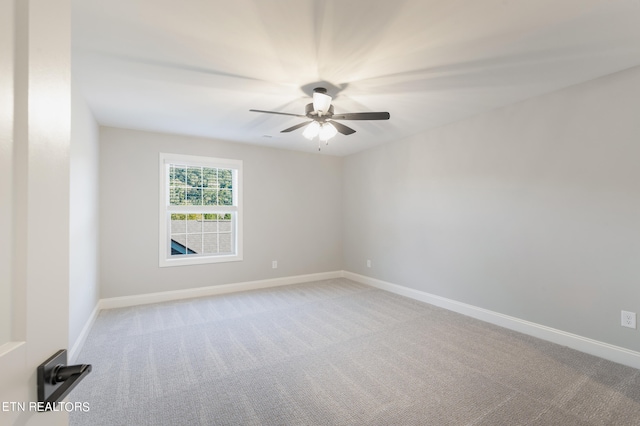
(200, 210)
(200, 185)
(188, 231)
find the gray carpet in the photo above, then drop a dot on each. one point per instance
(337, 353)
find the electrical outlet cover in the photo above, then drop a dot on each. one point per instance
(628, 319)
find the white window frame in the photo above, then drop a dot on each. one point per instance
(165, 258)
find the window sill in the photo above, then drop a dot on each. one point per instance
(200, 260)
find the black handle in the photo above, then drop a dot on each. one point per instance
(56, 379)
(63, 373)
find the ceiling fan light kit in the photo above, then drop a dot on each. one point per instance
(323, 123)
(327, 131)
(312, 130)
(321, 102)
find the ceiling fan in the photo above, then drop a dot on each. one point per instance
(323, 120)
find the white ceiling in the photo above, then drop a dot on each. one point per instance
(196, 67)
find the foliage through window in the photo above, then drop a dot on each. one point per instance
(200, 209)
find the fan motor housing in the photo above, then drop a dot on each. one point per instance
(311, 113)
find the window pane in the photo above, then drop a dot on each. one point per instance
(194, 177)
(194, 243)
(210, 223)
(178, 244)
(209, 177)
(225, 178)
(177, 175)
(177, 196)
(226, 245)
(225, 197)
(224, 225)
(194, 223)
(210, 243)
(210, 197)
(178, 223)
(194, 197)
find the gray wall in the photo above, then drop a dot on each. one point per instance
(83, 215)
(532, 210)
(292, 213)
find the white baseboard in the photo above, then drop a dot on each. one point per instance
(166, 296)
(574, 341)
(77, 346)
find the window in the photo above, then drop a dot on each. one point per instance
(200, 210)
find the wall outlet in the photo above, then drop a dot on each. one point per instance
(274, 264)
(629, 319)
(368, 263)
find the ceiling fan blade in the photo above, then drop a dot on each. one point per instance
(362, 116)
(342, 128)
(276, 112)
(296, 127)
